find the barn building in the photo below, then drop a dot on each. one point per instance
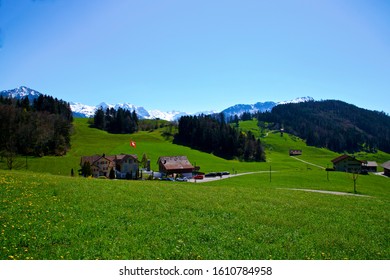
(347, 163)
(386, 168)
(370, 166)
(175, 165)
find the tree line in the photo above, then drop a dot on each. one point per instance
(212, 134)
(336, 125)
(116, 121)
(38, 128)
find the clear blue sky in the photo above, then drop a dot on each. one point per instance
(198, 55)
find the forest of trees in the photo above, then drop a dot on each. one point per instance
(40, 128)
(116, 121)
(336, 125)
(212, 134)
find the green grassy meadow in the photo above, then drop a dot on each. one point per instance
(46, 214)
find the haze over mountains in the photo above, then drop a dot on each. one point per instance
(86, 111)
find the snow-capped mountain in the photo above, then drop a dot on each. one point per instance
(140, 111)
(86, 111)
(239, 109)
(169, 116)
(297, 100)
(20, 93)
(206, 113)
(82, 111)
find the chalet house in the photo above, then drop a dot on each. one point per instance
(175, 165)
(386, 168)
(347, 163)
(370, 166)
(295, 152)
(124, 166)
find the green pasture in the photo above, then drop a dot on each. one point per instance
(277, 148)
(247, 217)
(46, 214)
(90, 141)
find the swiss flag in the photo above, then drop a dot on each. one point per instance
(132, 144)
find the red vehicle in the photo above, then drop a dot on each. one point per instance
(198, 177)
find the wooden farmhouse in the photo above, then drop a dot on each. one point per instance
(347, 163)
(386, 168)
(122, 166)
(175, 165)
(370, 166)
(295, 152)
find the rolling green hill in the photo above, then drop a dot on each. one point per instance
(334, 124)
(46, 216)
(90, 141)
(277, 149)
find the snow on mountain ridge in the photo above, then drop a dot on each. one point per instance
(82, 110)
(239, 109)
(20, 93)
(297, 100)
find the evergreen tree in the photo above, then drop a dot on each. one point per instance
(144, 161)
(336, 125)
(86, 170)
(214, 135)
(116, 121)
(99, 119)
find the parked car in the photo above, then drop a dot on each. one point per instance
(225, 173)
(184, 179)
(198, 177)
(167, 179)
(211, 174)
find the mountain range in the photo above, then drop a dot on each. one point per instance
(20, 93)
(86, 111)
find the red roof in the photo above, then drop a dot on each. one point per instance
(176, 163)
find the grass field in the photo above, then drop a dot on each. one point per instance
(89, 141)
(46, 216)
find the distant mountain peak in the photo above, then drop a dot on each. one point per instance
(104, 105)
(297, 100)
(20, 93)
(82, 110)
(239, 109)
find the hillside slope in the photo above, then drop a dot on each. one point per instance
(44, 216)
(333, 124)
(90, 141)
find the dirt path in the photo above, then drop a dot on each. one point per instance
(326, 192)
(319, 166)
